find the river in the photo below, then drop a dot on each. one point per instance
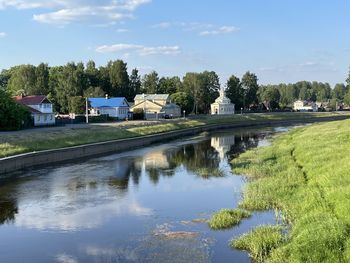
(145, 205)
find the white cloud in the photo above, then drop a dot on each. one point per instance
(64, 12)
(204, 29)
(140, 49)
(2, 34)
(64, 258)
(122, 30)
(219, 31)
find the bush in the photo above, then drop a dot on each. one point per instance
(13, 116)
(227, 218)
(138, 114)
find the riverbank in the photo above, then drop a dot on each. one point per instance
(305, 175)
(30, 148)
(13, 143)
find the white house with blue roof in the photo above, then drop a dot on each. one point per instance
(113, 107)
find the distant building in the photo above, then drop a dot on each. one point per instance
(156, 105)
(222, 105)
(113, 107)
(301, 105)
(40, 107)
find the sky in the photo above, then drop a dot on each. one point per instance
(281, 41)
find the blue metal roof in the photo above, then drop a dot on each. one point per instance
(108, 103)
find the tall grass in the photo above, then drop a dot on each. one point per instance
(227, 218)
(305, 174)
(259, 242)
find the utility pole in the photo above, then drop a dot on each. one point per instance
(86, 110)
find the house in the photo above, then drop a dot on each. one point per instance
(301, 105)
(156, 105)
(222, 105)
(40, 107)
(113, 107)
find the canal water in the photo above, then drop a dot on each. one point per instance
(145, 205)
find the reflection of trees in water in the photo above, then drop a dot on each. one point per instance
(8, 210)
(243, 142)
(198, 158)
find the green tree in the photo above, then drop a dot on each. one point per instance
(70, 82)
(150, 83)
(22, 80)
(77, 105)
(339, 92)
(169, 85)
(96, 92)
(13, 116)
(42, 79)
(234, 91)
(250, 87)
(134, 84)
(184, 100)
(119, 79)
(92, 74)
(270, 96)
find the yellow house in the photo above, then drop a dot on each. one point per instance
(159, 104)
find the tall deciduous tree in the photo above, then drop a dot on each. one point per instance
(23, 80)
(234, 91)
(119, 79)
(42, 79)
(150, 83)
(250, 87)
(170, 85)
(134, 84)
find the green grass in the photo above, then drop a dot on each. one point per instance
(12, 143)
(227, 218)
(259, 242)
(305, 174)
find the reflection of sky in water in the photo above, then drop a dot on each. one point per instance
(105, 209)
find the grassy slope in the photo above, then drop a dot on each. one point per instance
(306, 174)
(27, 141)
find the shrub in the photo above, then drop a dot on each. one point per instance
(227, 218)
(13, 116)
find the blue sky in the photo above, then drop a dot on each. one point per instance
(279, 40)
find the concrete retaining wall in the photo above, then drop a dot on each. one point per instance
(27, 160)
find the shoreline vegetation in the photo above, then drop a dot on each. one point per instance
(304, 175)
(18, 142)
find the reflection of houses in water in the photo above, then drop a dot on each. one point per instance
(222, 144)
(157, 160)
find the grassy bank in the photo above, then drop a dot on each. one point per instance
(12, 143)
(227, 218)
(306, 175)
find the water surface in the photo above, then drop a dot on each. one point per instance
(129, 207)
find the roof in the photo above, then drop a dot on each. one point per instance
(171, 106)
(152, 96)
(31, 100)
(108, 103)
(32, 110)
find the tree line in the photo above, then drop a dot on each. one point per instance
(67, 86)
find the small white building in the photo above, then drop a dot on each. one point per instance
(301, 105)
(222, 105)
(40, 108)
(113, 107)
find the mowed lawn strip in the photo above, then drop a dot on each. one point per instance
(12, 143)
(305, 174)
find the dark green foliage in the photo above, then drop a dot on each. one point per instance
(13, 116)
(119, 79)
(235, 92)
(150, 83)
(170, 85)
(184, 100)
(138, 114)
(134, 84)
(77, 105)
(250, 88)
